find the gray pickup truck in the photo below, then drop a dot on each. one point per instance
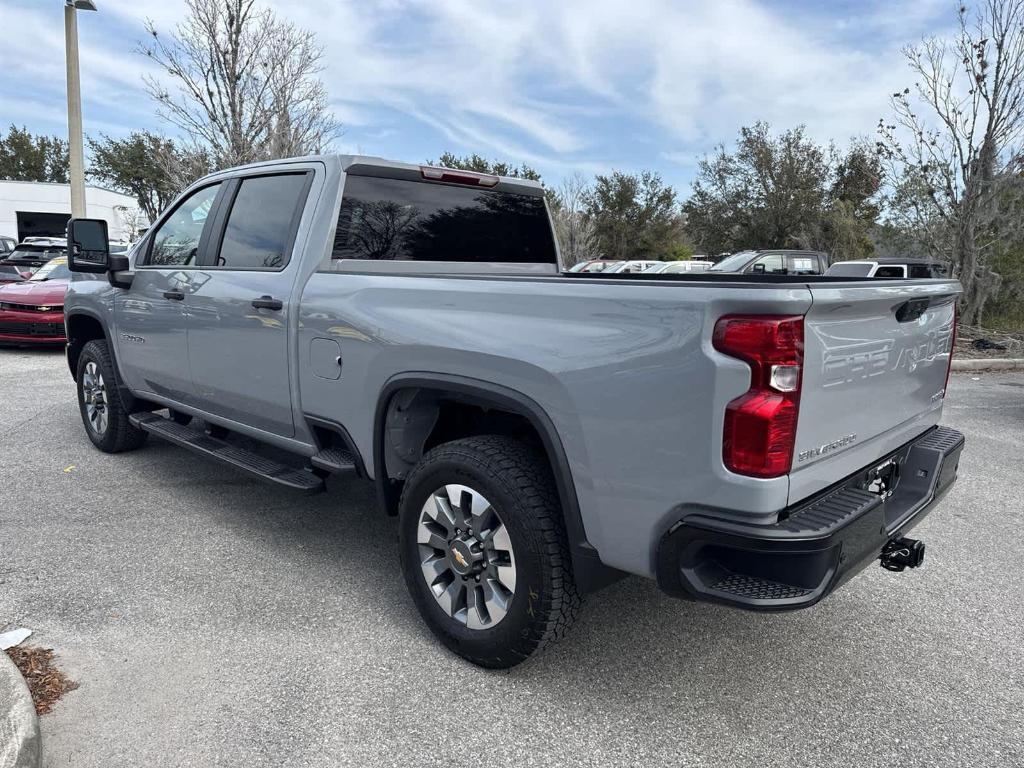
(749, 440)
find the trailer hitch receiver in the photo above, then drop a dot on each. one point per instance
(902, 553)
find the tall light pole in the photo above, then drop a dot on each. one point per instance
(76, 150)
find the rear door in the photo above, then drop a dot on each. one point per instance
(876, 358)
(239, 340)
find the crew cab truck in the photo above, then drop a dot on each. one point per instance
(351, 316)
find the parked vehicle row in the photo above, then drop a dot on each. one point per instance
(612, 267)
(776, 262)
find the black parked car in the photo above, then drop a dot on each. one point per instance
(32, 253)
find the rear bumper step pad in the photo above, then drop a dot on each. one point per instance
(817, 545)
(226, 453)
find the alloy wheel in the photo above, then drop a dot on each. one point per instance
(466, 556)
(94, 395)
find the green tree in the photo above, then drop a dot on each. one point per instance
(27, 157)
(852, 204)
(136, 165)
(635, 216)
(785, 191)
(769, 193)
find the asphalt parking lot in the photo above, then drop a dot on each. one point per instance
(213, 620)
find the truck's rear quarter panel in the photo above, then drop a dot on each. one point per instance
(625, 371)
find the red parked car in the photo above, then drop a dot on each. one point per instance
(32, 311)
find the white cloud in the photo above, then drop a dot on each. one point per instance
(557, 85)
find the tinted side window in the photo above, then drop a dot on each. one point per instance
(176, 241)
(259, 227)
(889, 272)
(398, 219)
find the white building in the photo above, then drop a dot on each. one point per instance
(42, 209)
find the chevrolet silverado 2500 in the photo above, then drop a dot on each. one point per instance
(351, 316)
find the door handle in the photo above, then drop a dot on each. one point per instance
(174, 295)
(267, 302)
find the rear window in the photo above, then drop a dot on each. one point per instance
(849, 270)
(402, 220)
(36, 252)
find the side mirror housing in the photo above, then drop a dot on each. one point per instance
(88, 245)
(118, 275)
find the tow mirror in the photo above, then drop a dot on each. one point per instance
(88, 245)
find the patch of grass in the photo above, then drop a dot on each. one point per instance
(46, 683)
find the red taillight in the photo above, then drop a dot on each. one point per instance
(458, 177)
(760, 425)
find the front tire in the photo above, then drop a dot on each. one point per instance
(99, 401)
(484, 550)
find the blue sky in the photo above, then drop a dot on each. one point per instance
(563, 85)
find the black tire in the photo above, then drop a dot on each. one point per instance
(117, 434)
(519, 486)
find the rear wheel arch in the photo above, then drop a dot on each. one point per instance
(417, 412)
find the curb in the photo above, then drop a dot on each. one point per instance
(19, 727)
(989, 364)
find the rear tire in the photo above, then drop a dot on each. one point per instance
(99, 401)
(514, 596)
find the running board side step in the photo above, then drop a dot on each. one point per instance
(336, 461)
(231, 455)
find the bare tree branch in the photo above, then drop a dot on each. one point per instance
(245, 83)
(955, 170)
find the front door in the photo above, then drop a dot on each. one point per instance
(152, 315)
(239, 341)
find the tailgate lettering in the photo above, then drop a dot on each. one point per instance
(821, 450)
(847, 363)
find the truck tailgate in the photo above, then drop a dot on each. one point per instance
(876, 357)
